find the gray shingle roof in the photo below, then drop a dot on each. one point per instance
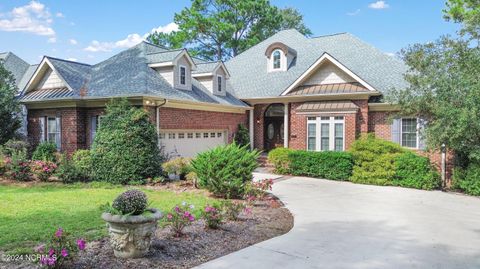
(21, 70)
(250, 79)
(127, 74)
(205, 67)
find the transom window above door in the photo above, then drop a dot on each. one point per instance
(326, 133)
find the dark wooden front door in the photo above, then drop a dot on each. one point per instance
(273, 133)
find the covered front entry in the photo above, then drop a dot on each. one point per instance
(274, 127)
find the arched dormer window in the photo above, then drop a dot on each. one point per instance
(277, 59)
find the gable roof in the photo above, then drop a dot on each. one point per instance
(20, 69)
(122, 75)
(250, 79)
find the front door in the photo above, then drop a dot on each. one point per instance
(273, 132)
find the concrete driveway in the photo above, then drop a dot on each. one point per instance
(344, 225)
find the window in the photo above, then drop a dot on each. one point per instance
(171, 136)
(277, 59)
(181, 136)
(161, 136)
(409, 133)
(190, 135)
(219, 83)
(94, 121)
(205, 135)
(50, 130)
(212, 135)
(325, 133)
(219, 134)
(183, 71)
(198, 135)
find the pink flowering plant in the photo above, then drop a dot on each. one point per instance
(60, 250)
(180, 217)
(213, 216)
(231, 210)
(258, 190)
(43, 170)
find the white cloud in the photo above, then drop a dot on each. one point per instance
(130, 41)
(72, 59)
(391, 54)
(353, 13)
(32, 18)
(73, 41)
(52, 40)
(59, 15)
(379, 5)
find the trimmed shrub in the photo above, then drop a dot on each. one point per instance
(467, 180)
(279, 158)
(225, 169)
(414, 171)
(45, 151)
(131, 202)
(374, 160)
(125, 146)
(82, 161)
(67, 172)
(242, 137)
(327, 164)
(179, 166)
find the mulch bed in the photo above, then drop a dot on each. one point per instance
(199, 245)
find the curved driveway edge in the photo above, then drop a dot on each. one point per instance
(345, 225)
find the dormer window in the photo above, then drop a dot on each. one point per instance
(277, 59)
(219, 83)
(183, 72)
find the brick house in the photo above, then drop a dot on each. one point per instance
(290, 91)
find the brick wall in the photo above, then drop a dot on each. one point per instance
(379, 124)
(362, 116)
(259, 125)
(174, 118)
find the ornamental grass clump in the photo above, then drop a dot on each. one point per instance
(180, 217)
(60, 250)
(131, 202)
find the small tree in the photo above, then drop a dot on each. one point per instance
(125, 146)
(9, 107)
(242, 137)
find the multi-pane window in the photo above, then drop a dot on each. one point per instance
(94, 121)
(190, 135)
(50, 130)
(181, 136)
(409, 133)
(219, 83)
(183, 72)
(325, 133)
(276, 59)
(198, 135)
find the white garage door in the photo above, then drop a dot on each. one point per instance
(188, 143)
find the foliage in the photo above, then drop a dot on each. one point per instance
(9, 107)
(467, 180)
(231, 209)
(13, 145)
(61, 249)
(125, 146)
(45, 151)
(279, 158)
(43, 170)
(3, 162)
(326, 164)
(374, 160)
(82, 160)
(258, 190)
(414, 171)
(225, 169)
(178, 166)
(75, 207)
(180, 217)
(67, 172)
(131, 202)
(213, 216)
(192, 178)
(221, 29)
(466, 12)
(17, 166)
(242, 137)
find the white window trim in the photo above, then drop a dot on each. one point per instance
(417, 133)
(220, 85)
(283, 62)
(180, 75)
(331, 122)
(57, 132)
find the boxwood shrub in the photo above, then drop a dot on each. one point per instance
(125, 146)
(327, 164)
(224, 170)
(467, 180)
(415, 171)
(279, 159)
(45, 151)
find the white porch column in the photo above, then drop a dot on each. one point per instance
(250, 128)
(285, 126)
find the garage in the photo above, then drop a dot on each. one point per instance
(188, 143)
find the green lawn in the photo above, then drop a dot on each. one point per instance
(29, 215)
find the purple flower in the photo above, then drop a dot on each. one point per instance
(43, 260)
(64, 253)
(169, 216)
(177, 209)
(51, 261)
(186, 214)
(51, 252)
(81, 244)
(59, 232)
(191, 218)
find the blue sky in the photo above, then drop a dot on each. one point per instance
(91, 31)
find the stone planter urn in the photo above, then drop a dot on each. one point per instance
(131, 236)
